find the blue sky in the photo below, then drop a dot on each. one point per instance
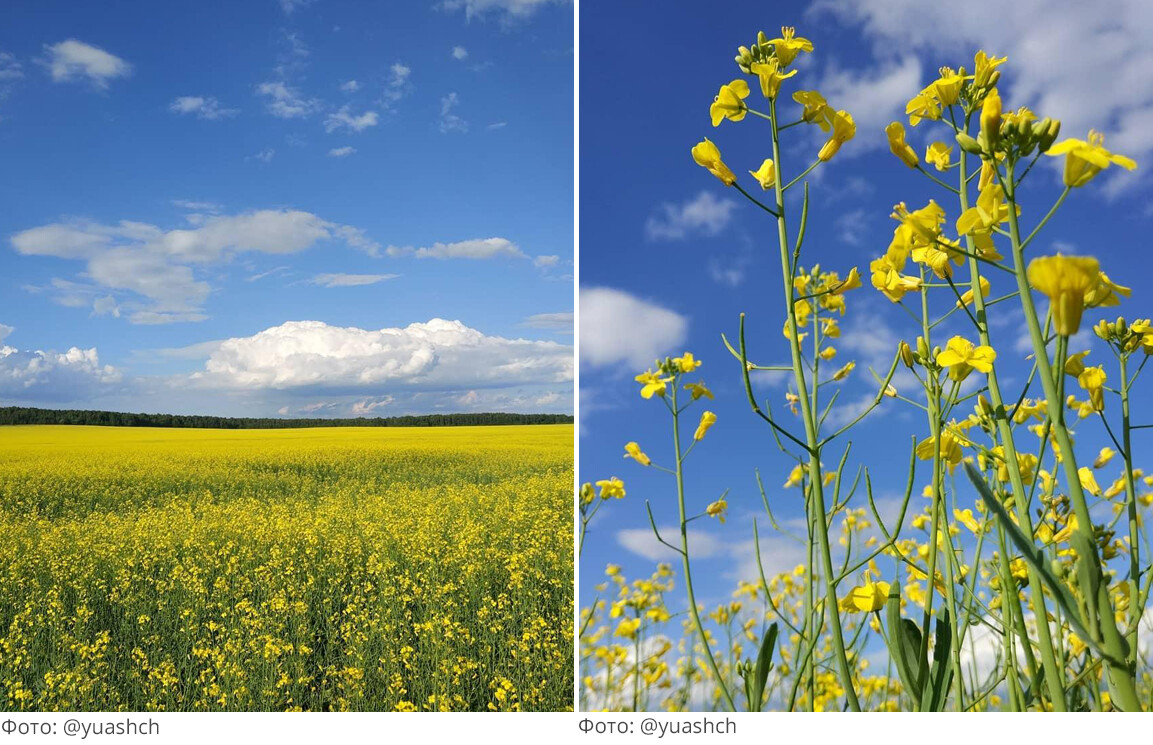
(670, 257)
(244, 208)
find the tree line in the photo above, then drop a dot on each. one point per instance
(27, 415)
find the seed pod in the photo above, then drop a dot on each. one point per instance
(968, 144)
(906, 354)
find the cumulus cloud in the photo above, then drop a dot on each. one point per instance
(437, 355)
(29, 376)
(286, 102)
(345, 119)
(397, 86)
(74, 60)
(476, 248)
(342, 152)
(350, 86)
(1111, 39)
(704, 214)
(350, 280)
(201, 106)
(264, 156)
(619, 328)
(874, 96)
(543, 262)
(459, 53)
(160, 270)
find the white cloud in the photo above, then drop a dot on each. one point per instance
(1111, 39)
(350, 280)
(437, 355)
(10, 68)
(542, 262)
(704, 214)
(397, 86)
(369, 405)
(38, 375)
(730, 273)
(350, 86)
(285, 101)
(643, 542)
(5, 331)
(874, 97)
(159, 268)
(195, 206)
(345, 119)
(202, 107)
(496, 125)
(74, 60)
(851, 225)
(342, 152)
(459, 53)
(264, 156)
(506, 9)
(288, 6)
(618, 328)
(562, 323)
(449, 121)
(106, 306)
(476, 248)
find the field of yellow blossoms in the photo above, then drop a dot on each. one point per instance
(300, 569)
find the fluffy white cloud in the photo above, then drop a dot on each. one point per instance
(5, 331)
(437, 355)
(350, 280)
(477, 248)
(874, 97)
(618, 328)
(1110, 39)
(203, 107)
(704, 214)
(543, 262)
(264, 156)
(397, 86)
(29, 376)
(450, 121)
(75, 60)
(345, 119)
(285, 101)
(342, 152)
(459, 53)
(350, 86)
(158, 268)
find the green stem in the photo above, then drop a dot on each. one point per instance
(816, 485)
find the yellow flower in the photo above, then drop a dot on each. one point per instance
(1088, 481)
(717, 509)
(828, 353)
(729, 102)
(890, 281)
(788, 45)
(766, 175)
(633, 450)
(1105, 292)
(627, 628)
(816, 109)
(698, 390)
(922, 106)
(844, 371)
(1104, 457)
(708, 156)
(951, 445)
(652, 384)
(948, 86)
(1064, 280)
(1092, 379)
(686, 363)
(708, 419)
(852, 282)
(612, 488)
(1074, 364)
(991, 118)
(991, 209)
(1084, 159)
(796, 476)
(896, 134)
(960, 356)
(965, 517)
(938, 154)
(770, 76)
(967, 296)
(843, 130)
(867, 598)
(984, 67)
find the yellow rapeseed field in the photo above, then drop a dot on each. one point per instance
(314, 569)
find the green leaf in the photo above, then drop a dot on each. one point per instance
(764, 665)
(904, 643)
(941, 674)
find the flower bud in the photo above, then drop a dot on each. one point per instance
(1103, 330)
(906, 354)
(1046, 140)
(922, 348)
(968, 144)
(991, 118)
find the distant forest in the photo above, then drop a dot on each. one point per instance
(22, 415)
